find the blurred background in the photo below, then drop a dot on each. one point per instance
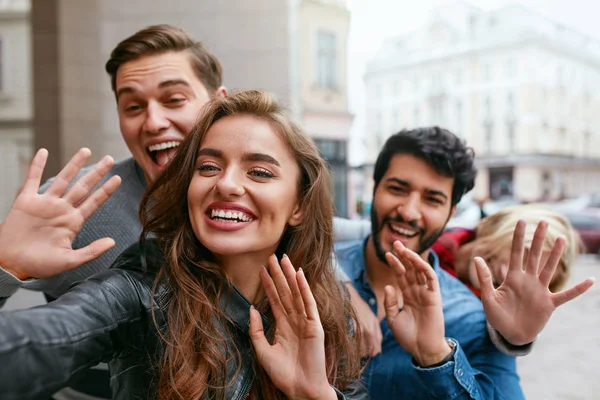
(518, 80)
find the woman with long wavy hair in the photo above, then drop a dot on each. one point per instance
(229, 293)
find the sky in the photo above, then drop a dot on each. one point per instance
(374, 20)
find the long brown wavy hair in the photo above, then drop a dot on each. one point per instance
(194, 359)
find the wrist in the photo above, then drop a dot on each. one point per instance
(327, 393)
(11, 271)
(436, 356)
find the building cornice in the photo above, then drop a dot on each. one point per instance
(554, 160)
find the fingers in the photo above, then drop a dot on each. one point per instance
(81, 189)
(567, 295)
(310, 304)
(390, 302)
(96, 199)
(517, 248)
(535, 251)
(290, 276)
(257, 333)
(90, 252)
(283, 290)
(35, 172)
(65, 176)
(552, 262)
(417, 270)
(484, 275)
(271, 291)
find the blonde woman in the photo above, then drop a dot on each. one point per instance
(491, 240)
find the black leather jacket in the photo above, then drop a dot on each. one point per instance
(108, 318)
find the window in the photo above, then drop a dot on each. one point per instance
(511, 107)
(487, 72)
(437, 112)
(510, 68)
(510, 127)
(459, 116)
(378, 129)
(377, 92)
(396, 88)
(458, 77)
(334, 152)
(488, 108)
(326, 60)
(488, 139)
(436, 81)
(395, 120)
(1, 64)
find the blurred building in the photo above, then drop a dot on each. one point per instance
(15, 99)
(521, 90)
(295, 49)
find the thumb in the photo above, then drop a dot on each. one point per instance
(390, 302)
(90, 252)
(257, 334)
(485, 279)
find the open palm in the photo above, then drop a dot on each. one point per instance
(37, 234)
(520, 308)
(295, 361)
(418, 322)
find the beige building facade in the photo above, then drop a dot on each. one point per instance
(15, 99)
(520, 89)
(293, 48)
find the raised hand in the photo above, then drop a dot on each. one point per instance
(37, 234)
(417, 320)
(520, 308)
(295, 361)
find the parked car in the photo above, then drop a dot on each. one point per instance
(587, 223)
(576, 204)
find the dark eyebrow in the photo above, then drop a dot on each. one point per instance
(261, 157)
(162, 85)
(210, 152)
(430, 192)
(173, 82)
(246, 157)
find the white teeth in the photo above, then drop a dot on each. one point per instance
(163, 146)
(230, 215)
(402, 231)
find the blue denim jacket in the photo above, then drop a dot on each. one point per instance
(477, 371)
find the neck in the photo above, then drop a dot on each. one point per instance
(243, 271)
(462, 260)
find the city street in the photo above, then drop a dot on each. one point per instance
(562, 365)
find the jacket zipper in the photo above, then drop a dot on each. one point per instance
(246, 390)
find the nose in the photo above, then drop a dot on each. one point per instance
(230, 184)
(411, 209)
(156, 121)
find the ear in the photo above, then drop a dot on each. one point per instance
(221, 91)
(297, 216)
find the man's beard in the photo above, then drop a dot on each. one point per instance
(425, 241)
